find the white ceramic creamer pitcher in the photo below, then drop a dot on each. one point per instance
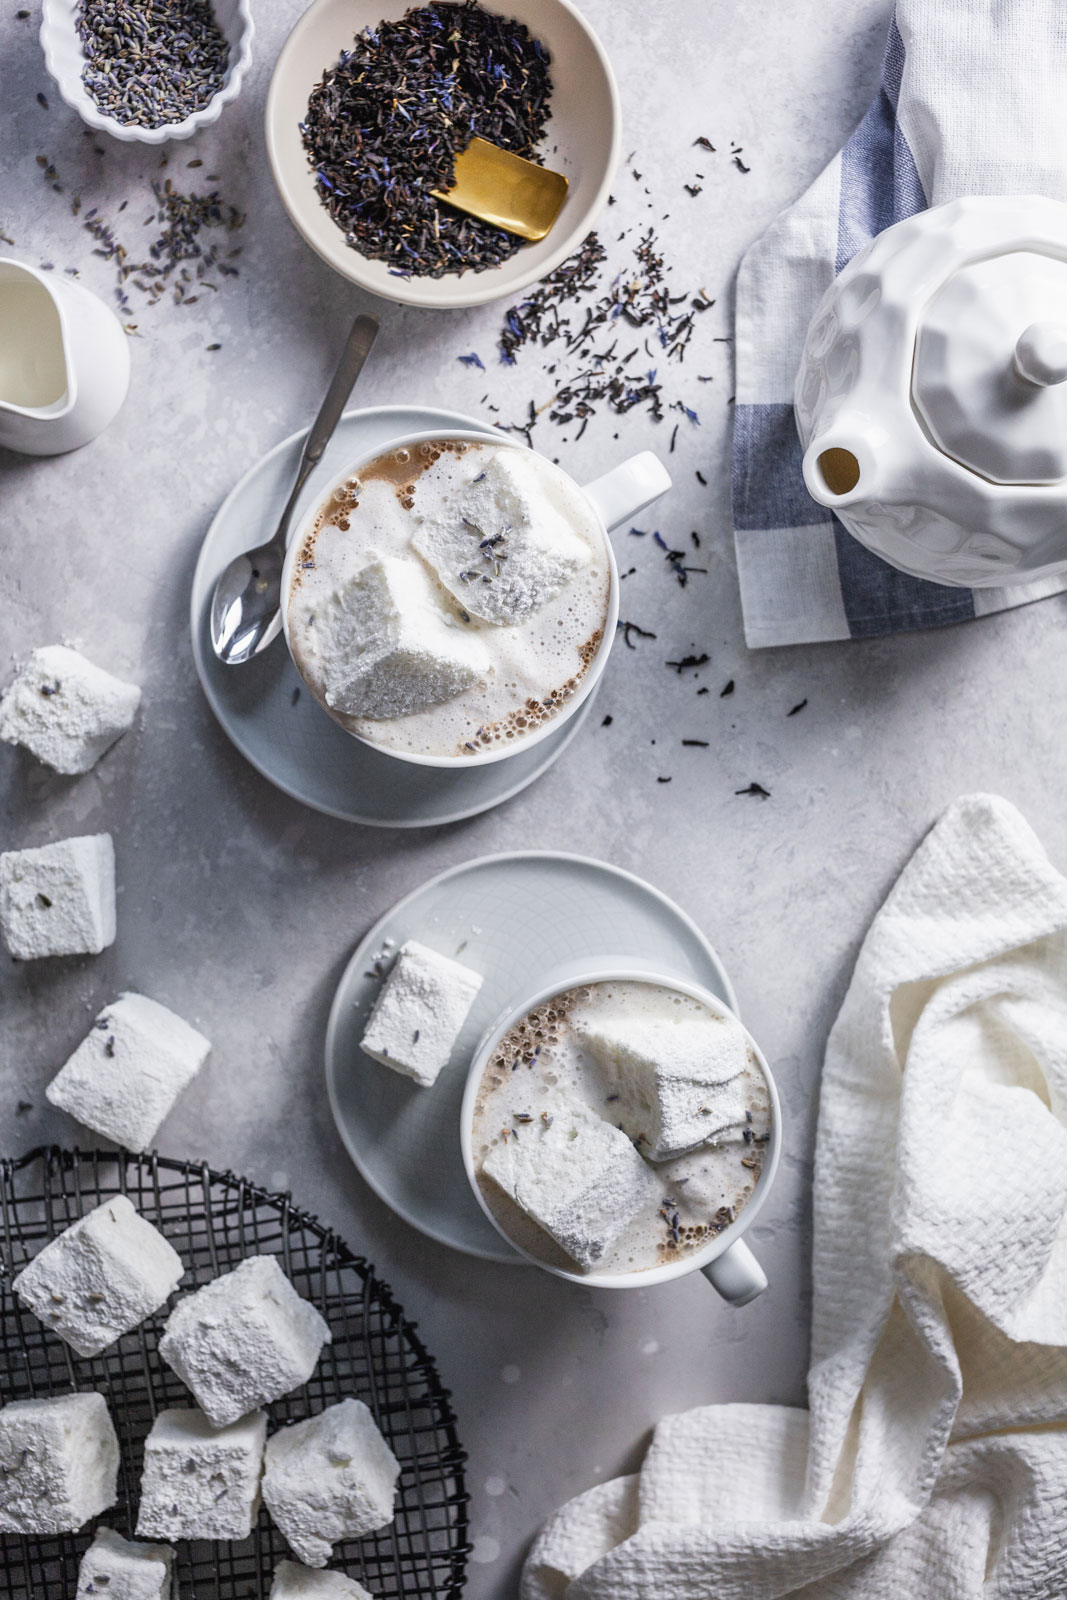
(64, 362)
(931, 399)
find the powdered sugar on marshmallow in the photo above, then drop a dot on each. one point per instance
(129, 1070)
(501, 545)
(201, 1482)
(679, 1073)
(575, 1175)
(387, 646)
(244, 1340)
(114, 1568)
(295, 1582)
(66, 710)
(420, 1009)
(329, 1478)
(100, 1277)
(59, 899)
(59, 1462)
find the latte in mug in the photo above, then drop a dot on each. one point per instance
(620, 1126)
(450, 598)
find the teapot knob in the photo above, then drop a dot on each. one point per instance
(1041, 354)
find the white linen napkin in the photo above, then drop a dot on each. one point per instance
(932, 1464)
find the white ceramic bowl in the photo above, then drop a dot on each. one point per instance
(64, 58)
(726, 1259)
(582, 140)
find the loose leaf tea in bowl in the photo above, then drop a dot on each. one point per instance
(384, 126)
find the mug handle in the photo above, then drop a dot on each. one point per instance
(628, 488)
(736, 1274)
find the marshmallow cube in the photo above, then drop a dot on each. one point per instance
(59, 900)
(501, 545)
(118, 1570)
(388, 646)
(420, 1009)
(201, 1482)
(577, 1177)
(59, 1463)
(293, 1582)
(679, 1075)
(244, 1340)
(101, 1277)
(329, 1478)
(65, 710)
(129, 1070)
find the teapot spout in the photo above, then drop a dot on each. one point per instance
(840, 468)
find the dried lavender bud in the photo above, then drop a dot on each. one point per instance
(154, 62)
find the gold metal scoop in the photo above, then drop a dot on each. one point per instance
(506, 190)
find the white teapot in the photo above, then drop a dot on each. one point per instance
(931, 399)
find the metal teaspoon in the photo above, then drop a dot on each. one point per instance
(246, 606)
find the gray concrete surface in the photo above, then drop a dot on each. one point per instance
(239, 908)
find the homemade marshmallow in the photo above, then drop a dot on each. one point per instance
(679, 1074)
(578, 1177)
(329, 1478)
(201, 1482)
(59, 1463)
(389, 648)
(294, 1582)
(500, 544)
(244, 1340)
(129, 1070)
(119, 1570)
(101, 1277)
(420, 1009)
(59, 899)
(65, 710)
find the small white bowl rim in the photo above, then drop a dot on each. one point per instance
(594, 672)
(53, 16)
(448, 293)
(698, 1259)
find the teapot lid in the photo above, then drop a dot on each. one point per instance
(990, 374)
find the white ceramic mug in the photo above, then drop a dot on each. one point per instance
(615, 498)
(725, 1260)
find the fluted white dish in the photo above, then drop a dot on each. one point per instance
(64, 57)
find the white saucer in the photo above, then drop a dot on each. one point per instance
(514, 919)
(269, 714)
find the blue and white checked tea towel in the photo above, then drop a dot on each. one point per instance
(973, 101)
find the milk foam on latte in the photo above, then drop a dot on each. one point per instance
(562, 1113)
(450, 597)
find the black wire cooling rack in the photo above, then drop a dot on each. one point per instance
(214, 1220)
